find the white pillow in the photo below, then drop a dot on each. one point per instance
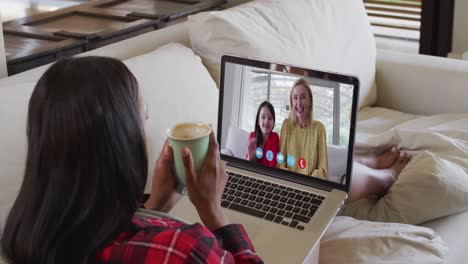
(330, 35)
(238, 141)
(177, 88)
(348, 240)
(429, 187)
(14, 100)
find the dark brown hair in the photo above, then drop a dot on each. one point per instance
(86, 165)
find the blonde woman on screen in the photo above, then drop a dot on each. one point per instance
(303, 139)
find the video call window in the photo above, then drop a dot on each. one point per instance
(332, 101)
(247, 90)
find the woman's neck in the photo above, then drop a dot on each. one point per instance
(302, 122)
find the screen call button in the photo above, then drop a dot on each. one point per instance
(291, 161)
(269, 155)
(302, 163)
(280, 158)
(259, 153)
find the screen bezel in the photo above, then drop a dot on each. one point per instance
(276, 172)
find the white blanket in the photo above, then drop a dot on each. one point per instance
(443, 135)
(353, 241)
(434, 183)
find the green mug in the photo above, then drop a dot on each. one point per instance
(196, 137)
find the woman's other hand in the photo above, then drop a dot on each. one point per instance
(163, 196)
(206, 188)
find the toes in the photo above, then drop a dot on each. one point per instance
(405, 157)
(401, 158)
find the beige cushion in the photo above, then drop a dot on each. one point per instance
(429, 187)
(177, 88)
(352, 241)
(330, 35)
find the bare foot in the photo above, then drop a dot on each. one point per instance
(387, 177)
(400, 163)
(382, 161)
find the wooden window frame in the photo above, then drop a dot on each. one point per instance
(436, 27)
(436, 22)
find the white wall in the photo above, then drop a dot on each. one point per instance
(3, 67)
(460, 27)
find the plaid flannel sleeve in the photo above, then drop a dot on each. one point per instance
(233, 238)
(169, 241)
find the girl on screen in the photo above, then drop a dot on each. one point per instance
(263, 142)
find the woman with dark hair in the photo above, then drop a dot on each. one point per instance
(85, 174)
(263, 136)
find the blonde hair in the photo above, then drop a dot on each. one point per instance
(292, 113)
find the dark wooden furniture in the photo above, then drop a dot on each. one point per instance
(34, 41)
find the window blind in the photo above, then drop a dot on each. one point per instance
(395, 18)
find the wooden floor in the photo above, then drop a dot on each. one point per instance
(13, 9)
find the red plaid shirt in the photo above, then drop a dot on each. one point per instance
(164, 240)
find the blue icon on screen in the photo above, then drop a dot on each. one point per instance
(280, 158)
(269, 155)
(291, 161)
(259, 153)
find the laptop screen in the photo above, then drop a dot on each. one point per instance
(288, 119)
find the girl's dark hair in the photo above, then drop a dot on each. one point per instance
(86, 165)
(258, 132)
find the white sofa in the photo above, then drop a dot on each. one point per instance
(409, 83)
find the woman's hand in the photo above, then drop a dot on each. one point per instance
(163, 196)
(206, 188)
(252, 147)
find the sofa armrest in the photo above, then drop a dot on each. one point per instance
(420, 84)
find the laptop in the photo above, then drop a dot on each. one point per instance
(287, 196)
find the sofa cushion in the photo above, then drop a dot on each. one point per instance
(176, 87)
(330, 35)
(14, 100)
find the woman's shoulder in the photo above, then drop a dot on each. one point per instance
(286, 124)
(318, 124)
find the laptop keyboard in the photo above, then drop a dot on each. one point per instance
(270, 201)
